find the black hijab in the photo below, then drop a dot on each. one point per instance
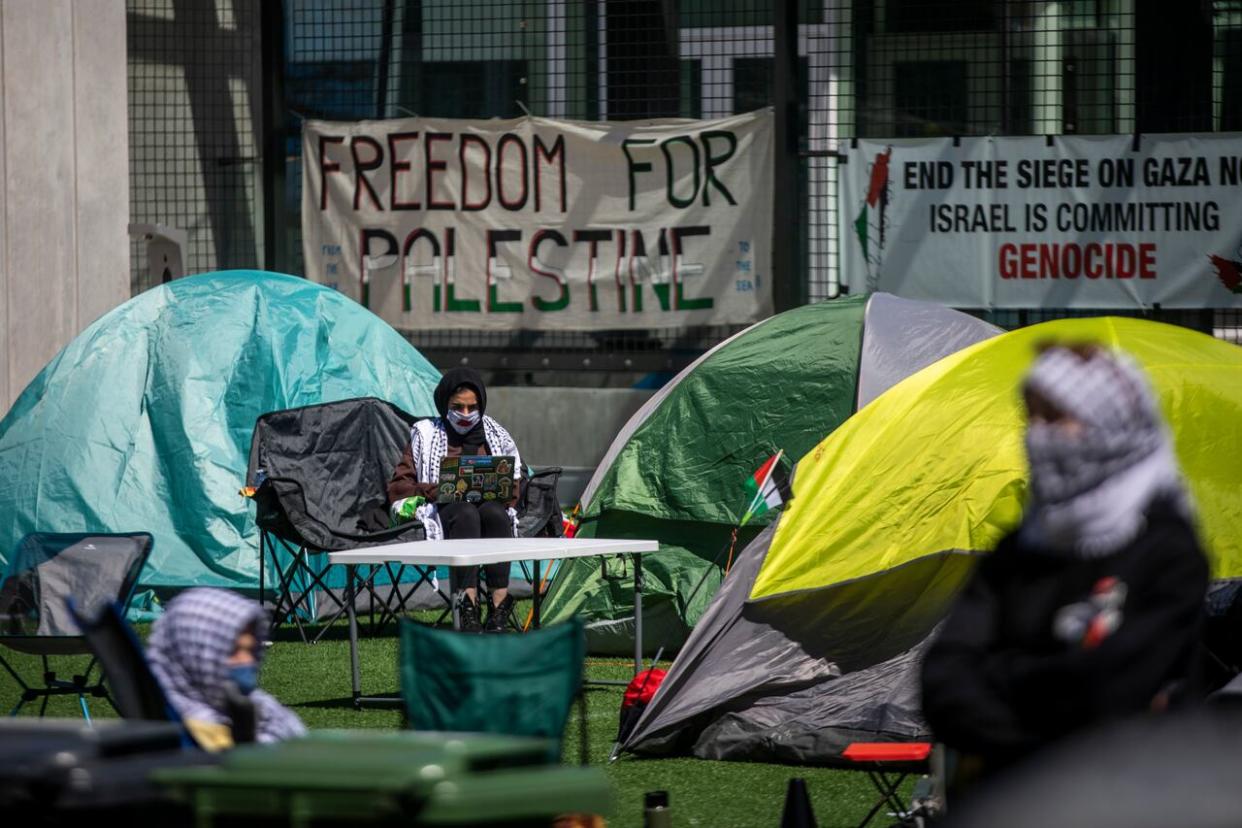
(453, 379)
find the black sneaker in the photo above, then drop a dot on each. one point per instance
(498, 616)
(469, 615)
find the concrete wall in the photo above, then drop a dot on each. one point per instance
(64, 204)
(567, 427)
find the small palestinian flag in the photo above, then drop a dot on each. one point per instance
(768, 488)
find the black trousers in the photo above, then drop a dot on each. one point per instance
(484, 520)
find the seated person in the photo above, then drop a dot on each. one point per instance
(207, 645)
(461, 429)
(1090, 609)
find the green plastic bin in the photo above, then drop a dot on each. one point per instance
(389, 778)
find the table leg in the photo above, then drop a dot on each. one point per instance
(351, 611)
(638, 613)
(261, 590)
(536, 597)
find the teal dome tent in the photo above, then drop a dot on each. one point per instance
(143, 422)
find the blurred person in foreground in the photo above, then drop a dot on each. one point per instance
(205, 650)
(1090, 610)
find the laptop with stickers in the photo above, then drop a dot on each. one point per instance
(476, 479)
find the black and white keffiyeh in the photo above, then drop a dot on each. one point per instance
(1090, 489)
(189, 649)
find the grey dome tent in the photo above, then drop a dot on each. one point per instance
(743, 689)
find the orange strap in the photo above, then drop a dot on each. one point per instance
(732, 543)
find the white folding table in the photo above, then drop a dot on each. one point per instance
(479, 551)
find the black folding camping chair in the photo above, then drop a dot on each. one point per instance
(136, 692)
(45, 572)
(319, 475)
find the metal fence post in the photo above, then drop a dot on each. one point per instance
(788, 285)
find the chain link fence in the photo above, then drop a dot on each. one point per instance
(195, 148)
(865, 68)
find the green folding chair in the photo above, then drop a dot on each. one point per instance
(516, 684)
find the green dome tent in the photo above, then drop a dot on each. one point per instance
(143, 422)
(677, 471)
(813, 641)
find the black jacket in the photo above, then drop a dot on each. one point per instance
(1000, 681)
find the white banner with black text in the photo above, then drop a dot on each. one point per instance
(541, 224)
(1073, 222)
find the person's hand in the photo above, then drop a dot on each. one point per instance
(426, 490)
(405, 509)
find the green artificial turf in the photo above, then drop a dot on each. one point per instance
(314, 680)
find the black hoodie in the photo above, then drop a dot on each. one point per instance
(998, 682)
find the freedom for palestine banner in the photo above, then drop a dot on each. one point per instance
(1078, 222)
(541, 224)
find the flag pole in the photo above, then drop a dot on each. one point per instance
(732, 544)
(733, 533)
(715, 562)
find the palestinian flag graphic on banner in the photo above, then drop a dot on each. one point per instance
(768, 488)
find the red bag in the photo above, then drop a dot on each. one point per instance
(638, 695)
(643, 688)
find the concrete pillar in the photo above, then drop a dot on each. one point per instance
(64, 206)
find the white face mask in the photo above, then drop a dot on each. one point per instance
(462, 423)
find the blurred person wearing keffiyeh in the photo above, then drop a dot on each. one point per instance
(208, 643)
(1091, 608)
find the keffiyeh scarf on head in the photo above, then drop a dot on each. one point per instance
(1090, 490)
(189, 649)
